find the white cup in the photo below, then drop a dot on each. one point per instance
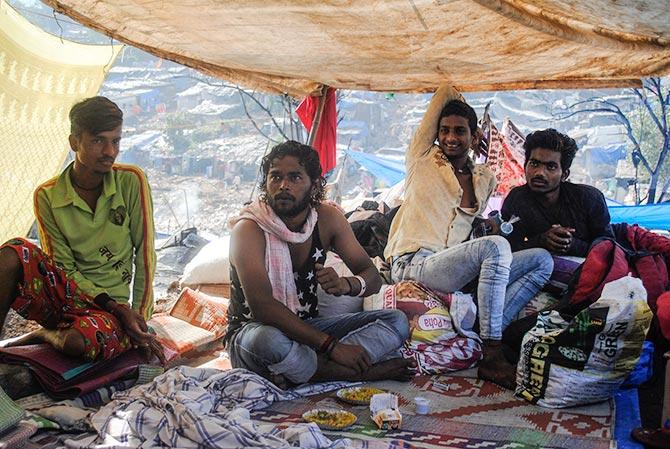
(421, 405)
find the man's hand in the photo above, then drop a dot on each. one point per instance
(330, 281)
(351, 356)
(137, 330)
(557, 239)
(492, 226)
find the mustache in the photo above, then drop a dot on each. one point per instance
(284, 196)
(538, 178)
(107, 159)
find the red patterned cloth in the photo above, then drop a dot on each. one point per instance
(505, 157)
(50, 297)
(464, 413)
(17, 438)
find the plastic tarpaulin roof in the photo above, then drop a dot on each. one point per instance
(396, 45)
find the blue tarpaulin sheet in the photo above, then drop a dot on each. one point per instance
(607, 155)
(392, 171)
(650, 216)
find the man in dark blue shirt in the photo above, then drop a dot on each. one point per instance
(555, 214)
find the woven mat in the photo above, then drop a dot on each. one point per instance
(466, 413)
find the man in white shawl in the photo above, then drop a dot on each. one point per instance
(278, 248)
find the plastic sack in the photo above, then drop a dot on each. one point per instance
(585, 360)
(210, 266)
(441, 337)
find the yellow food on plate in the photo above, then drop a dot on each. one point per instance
(337, 419)
(362, 394)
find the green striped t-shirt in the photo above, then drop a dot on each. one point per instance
(102, 250)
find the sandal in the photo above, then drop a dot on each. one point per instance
(653, 438)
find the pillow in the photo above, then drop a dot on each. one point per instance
(204, 311)
(195, 320)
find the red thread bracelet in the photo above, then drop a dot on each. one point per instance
(331, 346)
(326, 344)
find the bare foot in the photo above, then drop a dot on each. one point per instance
(495, 368)
(396, 369)
(279, 380)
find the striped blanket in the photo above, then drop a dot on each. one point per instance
(203, 408)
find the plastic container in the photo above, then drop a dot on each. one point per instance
(421, 405)
(506, 228)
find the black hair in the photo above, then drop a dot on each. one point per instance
(462, 109)
(554, 141)
(95, 115)
(307, 157)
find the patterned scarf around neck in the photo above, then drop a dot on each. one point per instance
(277, 255)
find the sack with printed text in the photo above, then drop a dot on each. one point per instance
(585, 359)
(441, 337)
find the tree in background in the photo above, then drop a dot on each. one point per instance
(279, 110)
(644, 115)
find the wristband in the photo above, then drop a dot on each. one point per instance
(351, 287)
(363, 286)
(326, 344)
(331, 346)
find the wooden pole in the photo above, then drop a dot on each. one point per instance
(317, 117)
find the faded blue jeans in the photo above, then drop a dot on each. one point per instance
(265, 349)
(507, 281)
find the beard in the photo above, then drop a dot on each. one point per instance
(296, 209)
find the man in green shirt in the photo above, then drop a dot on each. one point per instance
(95, 222)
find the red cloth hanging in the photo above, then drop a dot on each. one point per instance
(326, 136)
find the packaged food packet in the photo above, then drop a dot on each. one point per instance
(384, 411)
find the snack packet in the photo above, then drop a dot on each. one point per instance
(384, 411)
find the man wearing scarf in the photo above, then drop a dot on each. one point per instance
(278, 248)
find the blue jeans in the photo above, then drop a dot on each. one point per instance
(266, 350)
(507, 282)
